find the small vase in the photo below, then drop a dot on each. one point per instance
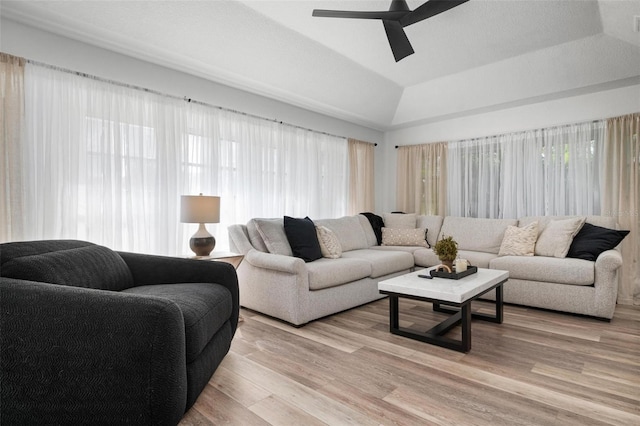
(448, 263)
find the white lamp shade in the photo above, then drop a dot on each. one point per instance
(199, 209)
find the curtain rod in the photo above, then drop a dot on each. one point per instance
(166, 95)
(510, 133)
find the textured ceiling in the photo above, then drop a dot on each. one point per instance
(482, 55)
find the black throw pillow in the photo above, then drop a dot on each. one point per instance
(593, 240)
(303, 238)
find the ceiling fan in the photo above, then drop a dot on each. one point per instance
(395, 19)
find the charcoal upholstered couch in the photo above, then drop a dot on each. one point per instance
(93, 336)
(276, 283)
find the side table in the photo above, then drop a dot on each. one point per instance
(234, 259)
(221, 256)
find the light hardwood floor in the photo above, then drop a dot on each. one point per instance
(537, 368)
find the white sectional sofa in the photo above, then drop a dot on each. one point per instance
(275, 283)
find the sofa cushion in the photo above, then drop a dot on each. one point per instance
(547, 269)
(406, 249)
(303, 238)
(329, 243)
(432, 224)
(399, 220)
(269, 233)
(205, 309)
(604, 221)
(476, 234)
(477, 258)
(30, 248)
(255, 238)
(326, 273)
(519, 241)
(425, 257)
(349, 230)
(91, 266)
(383, 262)
(556, 237)
(369, 231)
(592, 240)
(404, 237)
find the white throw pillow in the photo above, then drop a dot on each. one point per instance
(519, 241)
(329, 243)
(399, 220)
(556, 238)
(404, 237)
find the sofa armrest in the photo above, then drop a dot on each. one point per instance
(75, 355)
(609, 260)
(275, 262)
(606, 282)
(149, 270)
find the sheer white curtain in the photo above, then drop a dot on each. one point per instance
(102, 163)
(473, 177)
(551, 171)
(269, 169)
(570, 166)
(108, 164)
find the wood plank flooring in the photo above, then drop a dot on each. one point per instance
(537, 368)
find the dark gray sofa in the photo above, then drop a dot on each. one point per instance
(93, 336)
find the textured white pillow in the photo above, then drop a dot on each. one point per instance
(329, 243)
(399, 220)
(519, 241)
(404, 237)
(556, 238)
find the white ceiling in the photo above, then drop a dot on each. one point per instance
(480, 56)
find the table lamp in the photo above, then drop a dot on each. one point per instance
(200, 209)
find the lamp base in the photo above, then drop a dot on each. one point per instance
(202, 242)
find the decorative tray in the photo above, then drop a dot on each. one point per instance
(454, 275)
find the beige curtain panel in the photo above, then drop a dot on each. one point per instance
(11, 130)
(422, 179)
(621, 197)
(361, 177)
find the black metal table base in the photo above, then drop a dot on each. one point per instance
(461, 316)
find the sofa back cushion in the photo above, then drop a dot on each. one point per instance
(12, 250)
(603, 221)
(239, 241)
(399, 220)
(369, 231)
(268, 235)
(476, 234)
(350, 231)
(432, 224)
(91, 266)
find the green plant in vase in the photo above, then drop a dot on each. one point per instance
(447, 250)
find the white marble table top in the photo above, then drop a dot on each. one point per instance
(444, 289)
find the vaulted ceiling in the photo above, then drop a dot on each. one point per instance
(481, 56)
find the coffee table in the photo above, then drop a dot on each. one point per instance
(457, 295)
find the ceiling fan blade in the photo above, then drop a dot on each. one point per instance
(400, 45)
(429, 9)
(390, 15)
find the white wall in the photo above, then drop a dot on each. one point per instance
(34, 44)
(576, 109)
